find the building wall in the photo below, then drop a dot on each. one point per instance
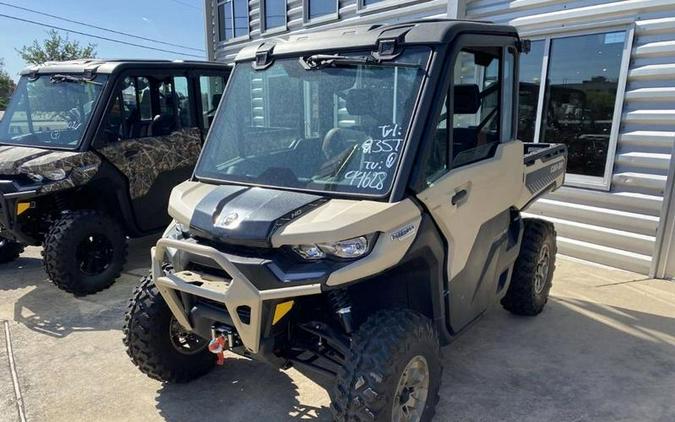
(348, 14)
(619, 226)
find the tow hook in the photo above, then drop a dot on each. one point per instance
(221, 340)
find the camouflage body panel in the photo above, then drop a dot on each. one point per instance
(80, 167)
(155, 156)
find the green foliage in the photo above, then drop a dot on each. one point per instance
(55, 48)
(6, 86)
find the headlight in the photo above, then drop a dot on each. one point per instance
(55, 174)
(346, 249)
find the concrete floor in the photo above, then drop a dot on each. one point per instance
(604, 349)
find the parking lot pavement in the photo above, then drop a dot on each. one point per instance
(604, 349)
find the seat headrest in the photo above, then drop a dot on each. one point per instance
(365, 102)
(467, 99)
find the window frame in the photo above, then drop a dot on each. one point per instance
(362, 8)
(263, 19)
(234, 38)
(580, 180)
(329, 17)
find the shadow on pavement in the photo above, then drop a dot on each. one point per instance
(50, 311)
(242, 390)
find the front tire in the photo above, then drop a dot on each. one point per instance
(153, 339)
(9, 250)
(393, 371)
(533, 271)
(84, 252)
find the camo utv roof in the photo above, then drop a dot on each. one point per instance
(108, 66)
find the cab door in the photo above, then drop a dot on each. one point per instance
(152, 136)
(474, 176)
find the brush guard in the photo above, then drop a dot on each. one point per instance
(234, 293)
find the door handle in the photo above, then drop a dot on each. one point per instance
(131, 153)
(459, 197)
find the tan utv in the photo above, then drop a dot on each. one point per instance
(357, 204)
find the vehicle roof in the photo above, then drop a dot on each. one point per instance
(108, 66)
(420, 32)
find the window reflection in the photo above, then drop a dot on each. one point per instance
(580, 96)
(528, 97)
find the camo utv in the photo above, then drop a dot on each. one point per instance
(89, 151)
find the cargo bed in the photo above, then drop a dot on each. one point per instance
(544, 168)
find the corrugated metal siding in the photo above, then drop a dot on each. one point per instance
(348, 15)
(619, 227)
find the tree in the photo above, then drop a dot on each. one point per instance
(6, 86)
(55, 48)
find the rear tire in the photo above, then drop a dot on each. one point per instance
(148, 329)
(9, 250)
(84, 252)
(533, 271)
(372, 385)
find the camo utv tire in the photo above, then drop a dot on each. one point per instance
(393, 371)
(149, 331)
(9, 250)
(84, 252)
(533, 271)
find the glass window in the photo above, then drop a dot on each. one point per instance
(475, 129)
(318, 8)
(51, 110)
(232, 19)
(282, 126)
(275, 13)
(183, 101)
(580, 95)
(369, 2)
(211, 89)
(507, 100)
(143, 93)
(528, 94)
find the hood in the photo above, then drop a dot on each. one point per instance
(21, 160)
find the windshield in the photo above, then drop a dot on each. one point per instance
(50, 111)
(332, 126)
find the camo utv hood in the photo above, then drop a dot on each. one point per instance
(80, 167)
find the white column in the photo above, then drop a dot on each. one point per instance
(456, 9)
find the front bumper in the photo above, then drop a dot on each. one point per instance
(10, 195)
(234, 292)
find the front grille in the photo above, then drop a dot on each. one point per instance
(204, 268)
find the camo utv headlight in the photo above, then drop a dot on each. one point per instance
(55, 174)
(51, 175)
(345, 249)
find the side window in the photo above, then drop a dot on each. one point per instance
(147, 107)
(211, 91)
(183, 101)
(476, 105)
(122, 114)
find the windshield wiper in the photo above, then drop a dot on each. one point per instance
(321, 61)
(58, 78)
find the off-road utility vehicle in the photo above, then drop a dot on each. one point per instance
(356, 205)
(89, 152)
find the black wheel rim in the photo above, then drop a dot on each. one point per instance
(94, 254)
(183, 341)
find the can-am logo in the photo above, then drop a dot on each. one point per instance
(227, 221)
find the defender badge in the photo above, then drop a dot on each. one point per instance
(404, 232)
(227, 221)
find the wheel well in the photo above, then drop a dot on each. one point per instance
(405, 286)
